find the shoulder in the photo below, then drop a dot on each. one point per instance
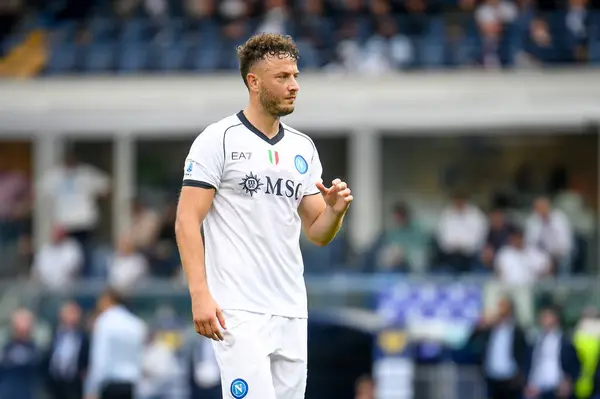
(219, 129)
(298, 134)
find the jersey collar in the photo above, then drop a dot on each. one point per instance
(274, 140)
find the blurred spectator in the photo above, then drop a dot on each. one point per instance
(20, 360)
(15, 203)
(492, 18)
(347, 53)
(461, 231)
(126, 8)
(117, 347)
(554, 363)
(127, 266)
(502, 349)
(364, 388)
(518, 264)
(69, 355)
(497, 236)
(276, 17)
(206, 380)
(73, 190)
(577, 23)
(550, 231)
(57, 263)
(388, 49)
(165, 256)
(144, 226)
(10, 12)
(159, 369)
(404, 246)
(586, 339)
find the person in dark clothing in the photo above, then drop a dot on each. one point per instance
(555, 366)
(67, 359)
(502, 350)
(20, 360)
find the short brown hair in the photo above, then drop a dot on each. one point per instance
(265, 44)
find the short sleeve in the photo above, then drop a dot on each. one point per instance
(315, 171)
(204, 163)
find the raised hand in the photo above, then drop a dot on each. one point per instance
(338, 197)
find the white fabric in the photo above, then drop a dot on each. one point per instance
(546, 374)
(553, 235)
(268, 352)
(521, 266)
(500, 363)
(463, 230)
(73, 193)
(503, 12)
(117, 348)
(126, 270)
(252, 253)
(56, 265)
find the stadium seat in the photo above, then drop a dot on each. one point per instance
(132, 58)
(63, 59)
(99, 58)
(171, 58)
(102, 29)
(135, 30)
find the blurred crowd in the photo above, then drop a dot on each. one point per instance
(52, 357)
(360, 36)
(518, 240)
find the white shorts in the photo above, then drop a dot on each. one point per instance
(262, 356)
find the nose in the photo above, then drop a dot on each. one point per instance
(294, 87)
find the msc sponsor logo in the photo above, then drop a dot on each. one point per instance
(252, 184)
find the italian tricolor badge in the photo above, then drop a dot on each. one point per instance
(273, 157)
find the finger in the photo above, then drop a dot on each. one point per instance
(349, 199)
(324, 190)
(214, 325)
(208, 331)
(200, 328)
(335, 182)
(341, 186)
(344, 193)
(221, 319)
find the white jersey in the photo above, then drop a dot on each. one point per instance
(252, 231)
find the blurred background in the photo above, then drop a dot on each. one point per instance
(467, 129)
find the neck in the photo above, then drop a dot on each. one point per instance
(262, 120)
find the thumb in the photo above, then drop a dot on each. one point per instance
(221, 318)
(324, 190)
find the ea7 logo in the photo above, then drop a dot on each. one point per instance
(240, 156)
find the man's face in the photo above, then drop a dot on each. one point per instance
(548, 320)
(542, 207)
(70, 315)
(277, 85)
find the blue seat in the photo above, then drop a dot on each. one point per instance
(172, 58)
(102, 29)
(63, 59)
(132, 58)
(135, 30)
(206, 58)
(99, 58)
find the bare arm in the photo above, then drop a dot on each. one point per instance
(193, 207)
(194, 204)
(322, 214)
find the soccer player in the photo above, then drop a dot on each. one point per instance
(253, 183)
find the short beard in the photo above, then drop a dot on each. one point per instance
(271, 104)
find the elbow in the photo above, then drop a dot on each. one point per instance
(319, 242)
(179, 226)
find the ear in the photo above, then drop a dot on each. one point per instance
(253, 81)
